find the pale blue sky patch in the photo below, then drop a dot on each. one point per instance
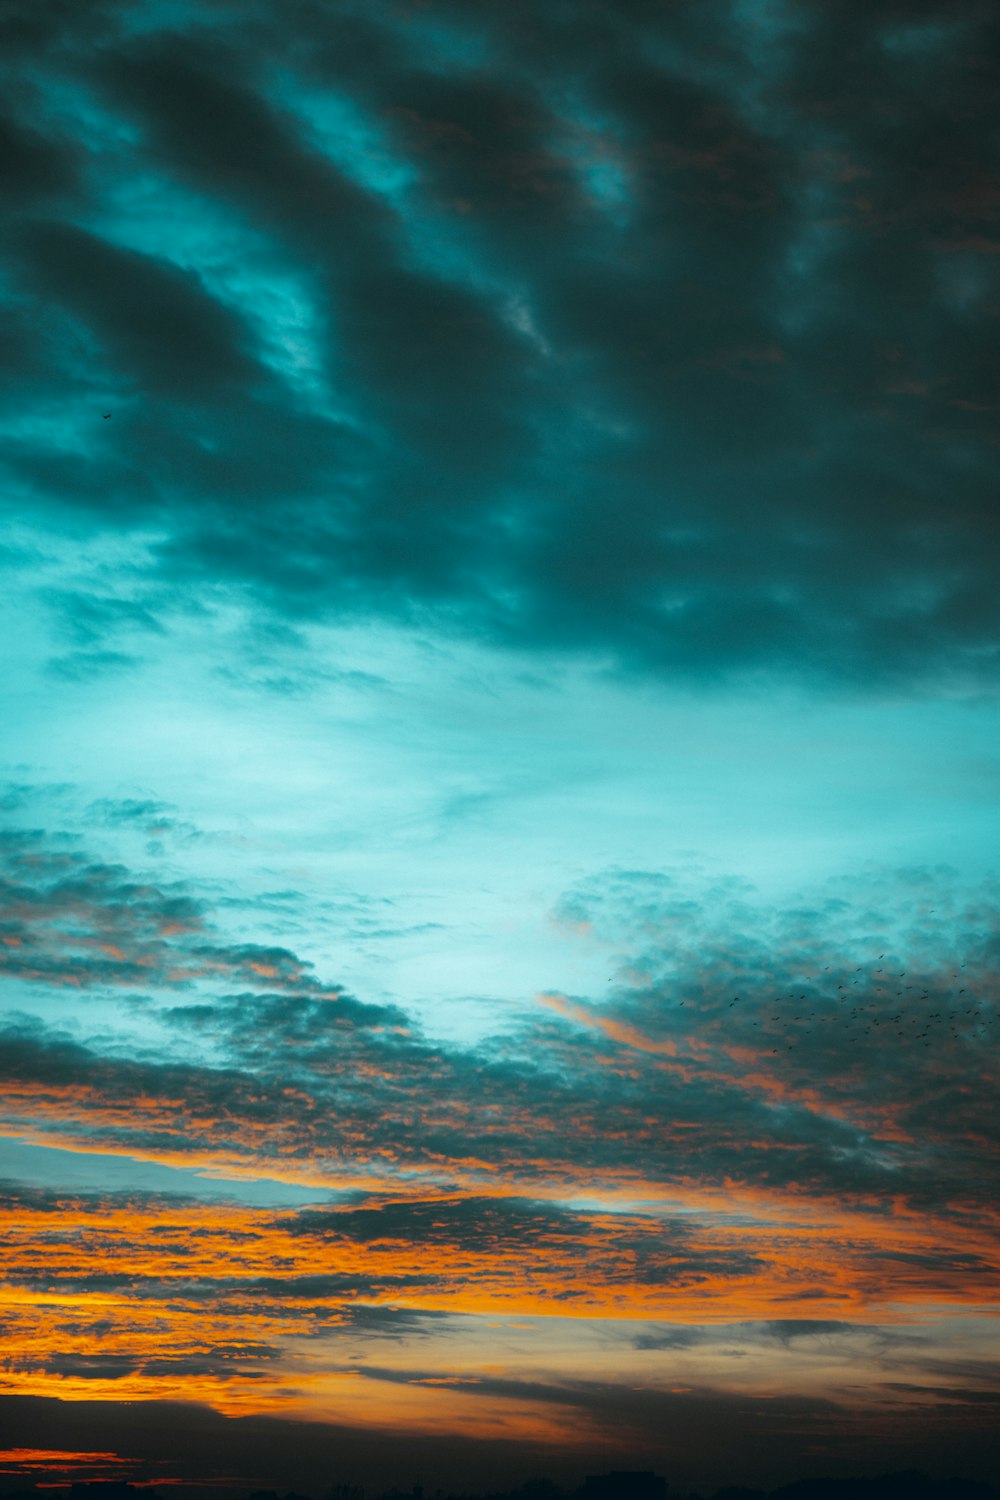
(100, 1173)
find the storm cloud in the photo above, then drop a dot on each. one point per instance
(662, 335)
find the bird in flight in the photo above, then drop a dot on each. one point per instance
(106, 415)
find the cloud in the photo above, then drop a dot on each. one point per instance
(832, 1049)
(154, 321)
(67, 921)
(396, 1323)
(667, 353)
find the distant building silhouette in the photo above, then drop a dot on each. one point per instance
(111, 1489)
(624, 1484)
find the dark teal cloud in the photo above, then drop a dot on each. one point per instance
(652, 332)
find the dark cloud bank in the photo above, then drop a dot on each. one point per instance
(660, 332)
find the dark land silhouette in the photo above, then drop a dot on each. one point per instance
(615, 1485)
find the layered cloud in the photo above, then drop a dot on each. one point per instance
(660, 336)
(715, 1179)
(737, 1043)
(679, 1142)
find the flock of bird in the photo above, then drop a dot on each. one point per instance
(878, 1005)
(873, 1004)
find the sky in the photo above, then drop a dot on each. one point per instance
(499, 902)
